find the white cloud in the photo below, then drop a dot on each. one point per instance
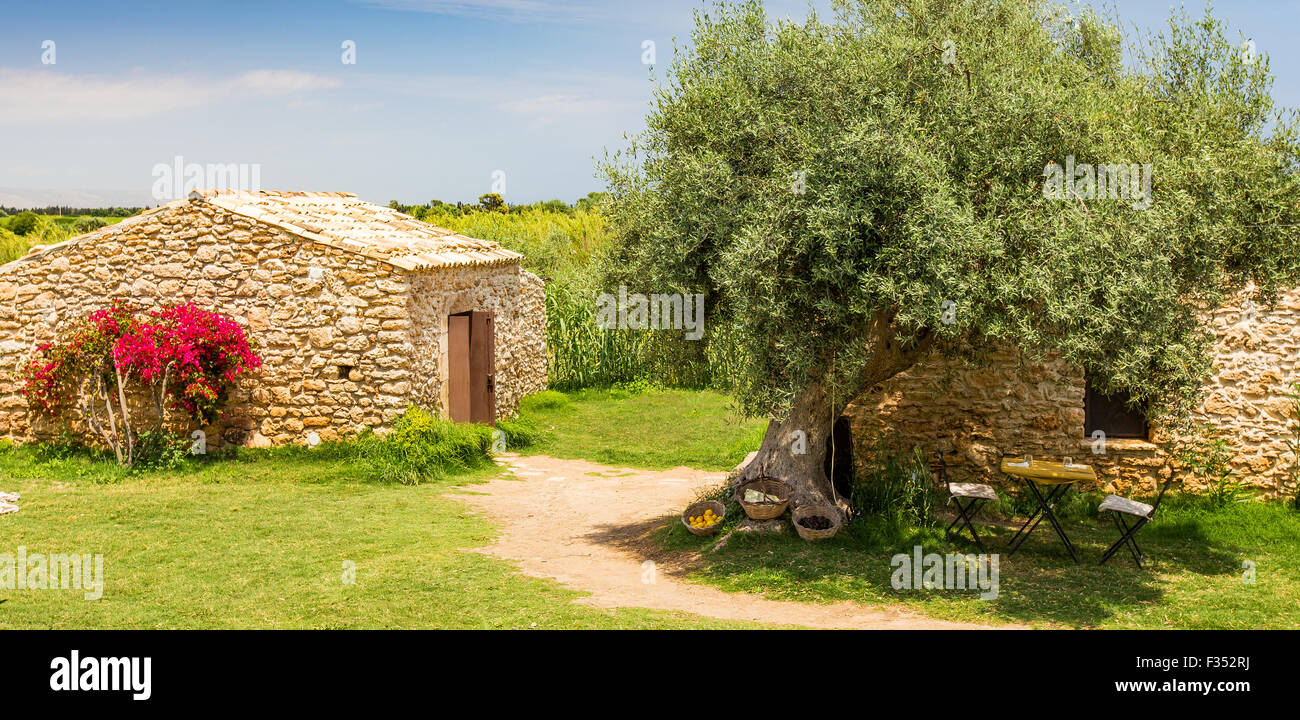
(46, 95)
(280, 82)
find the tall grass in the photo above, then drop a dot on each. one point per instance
(563, 249)
(897, 485)
(422, 446)
(12, 246)
(583, 354)
(50, 229)
(557, 246)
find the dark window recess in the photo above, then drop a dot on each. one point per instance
(344, 371)
(1112, 415)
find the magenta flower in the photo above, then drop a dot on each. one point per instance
(191, 355)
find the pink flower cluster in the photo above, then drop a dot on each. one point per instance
(197, 354)
(83, 350)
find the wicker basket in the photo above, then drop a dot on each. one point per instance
(825, 511)
(764, 511)
(698, 509)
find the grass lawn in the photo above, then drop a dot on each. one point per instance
(1194, 578)
(1195, 553)
(261, 542)
(653, 430)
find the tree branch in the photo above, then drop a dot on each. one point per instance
(126, 418)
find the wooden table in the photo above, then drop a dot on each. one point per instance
(1058, 477)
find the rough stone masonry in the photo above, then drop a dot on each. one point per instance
(346, 302)
(1014, 406)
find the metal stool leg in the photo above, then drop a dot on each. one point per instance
(1125, 538)
(966, 515)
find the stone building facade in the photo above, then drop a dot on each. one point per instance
(1016, 407)
(347, 302)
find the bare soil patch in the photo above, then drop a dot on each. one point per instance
(587, 526)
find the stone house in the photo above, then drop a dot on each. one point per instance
(357, 310)
(1014, 407)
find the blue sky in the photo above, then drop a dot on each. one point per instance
(443, 94)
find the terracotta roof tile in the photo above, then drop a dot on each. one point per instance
(342, 220)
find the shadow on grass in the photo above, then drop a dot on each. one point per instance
(1040, 585)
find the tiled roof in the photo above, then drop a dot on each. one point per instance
(339, 220)
(343, 221)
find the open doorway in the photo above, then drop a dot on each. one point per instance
(471, 367)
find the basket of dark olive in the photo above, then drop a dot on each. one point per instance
(816, 522)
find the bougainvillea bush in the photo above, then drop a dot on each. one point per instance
(186, 358)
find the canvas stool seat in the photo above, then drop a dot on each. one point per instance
(1124, 505)
(973, 490)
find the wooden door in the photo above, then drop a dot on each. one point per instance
(458, 368)
(482, 368)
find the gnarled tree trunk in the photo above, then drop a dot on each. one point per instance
(794, 448)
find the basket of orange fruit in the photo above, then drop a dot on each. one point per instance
(704, 517)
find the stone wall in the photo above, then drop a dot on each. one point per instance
(340, 334)
(1013, 407)
(1257, 358)
(525, 357)
(975, 415)
(517, 300)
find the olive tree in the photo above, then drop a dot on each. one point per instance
(918, 177)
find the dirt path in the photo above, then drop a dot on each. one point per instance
(550, 530)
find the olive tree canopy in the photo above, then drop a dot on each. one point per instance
(950, 176)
